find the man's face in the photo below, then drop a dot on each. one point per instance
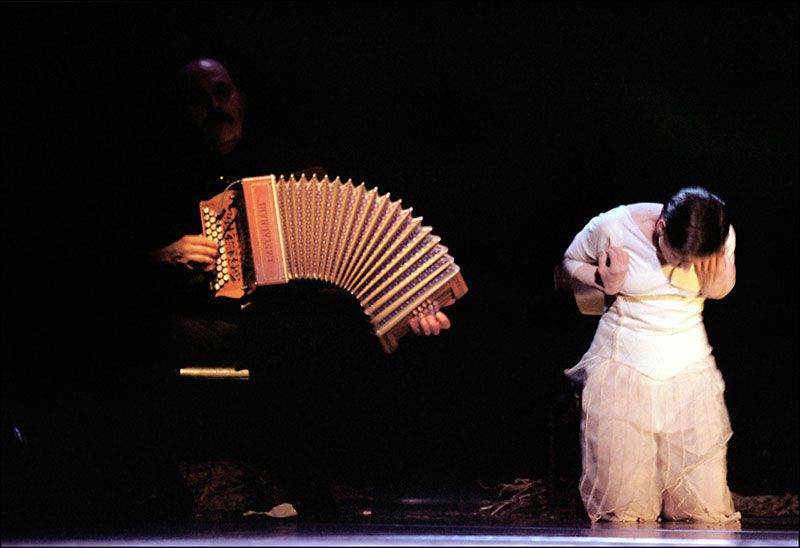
(213, 105)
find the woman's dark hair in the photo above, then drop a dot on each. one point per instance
(696, 222)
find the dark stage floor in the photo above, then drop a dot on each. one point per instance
(201, 498)
(455, 517)
(764, 532)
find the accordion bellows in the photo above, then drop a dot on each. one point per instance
(273, 231)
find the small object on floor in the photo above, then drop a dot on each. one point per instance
(280, 511)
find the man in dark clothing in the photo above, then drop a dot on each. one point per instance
(212, 116)
(306, 343)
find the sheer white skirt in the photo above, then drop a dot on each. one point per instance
(655, 447)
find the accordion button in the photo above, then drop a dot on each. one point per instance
(219, 275)
(226, 277)
(222, 250)
(205, 209)
(216, 287)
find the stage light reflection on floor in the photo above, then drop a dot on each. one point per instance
(442, 535)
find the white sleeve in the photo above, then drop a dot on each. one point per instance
(588, 243)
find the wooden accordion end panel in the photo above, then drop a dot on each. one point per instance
(274, 231)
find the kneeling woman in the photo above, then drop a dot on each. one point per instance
(654, 428)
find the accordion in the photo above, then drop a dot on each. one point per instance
(274, 231)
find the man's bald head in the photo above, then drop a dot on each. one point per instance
(212, 104)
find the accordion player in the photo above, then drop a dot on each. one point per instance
(274, 230)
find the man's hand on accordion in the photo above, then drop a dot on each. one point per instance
(194, 252)
(429, 320)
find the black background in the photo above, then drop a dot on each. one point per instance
(507, 126)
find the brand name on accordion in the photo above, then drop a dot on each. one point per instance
(264, 231)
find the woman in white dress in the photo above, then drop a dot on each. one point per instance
(654, 428)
